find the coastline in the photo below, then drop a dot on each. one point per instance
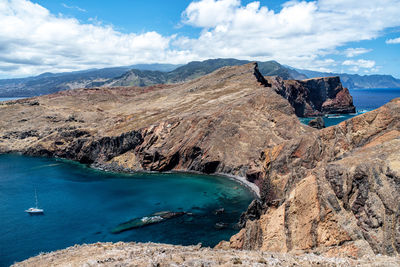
(118, 169)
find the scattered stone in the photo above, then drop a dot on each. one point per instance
(317, 123)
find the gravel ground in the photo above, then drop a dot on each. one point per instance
(151, 254)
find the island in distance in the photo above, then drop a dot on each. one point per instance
(333, 191)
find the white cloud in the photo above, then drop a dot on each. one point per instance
(356, 65)
(393, 41)
(298, 35)
(74, 7)
(352, 52)
(32, 41)
(302, 34)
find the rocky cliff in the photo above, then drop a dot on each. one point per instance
(218, 123)
(315, 97)
(334, 191)
(331, 191)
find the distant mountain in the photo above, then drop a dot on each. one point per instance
(150, 74)
(47, 83)
(197, 69)
(355, 81)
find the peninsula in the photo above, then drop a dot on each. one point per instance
(333, 191)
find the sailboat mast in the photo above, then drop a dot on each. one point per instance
(36, 199)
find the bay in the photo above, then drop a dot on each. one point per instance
(82, 205)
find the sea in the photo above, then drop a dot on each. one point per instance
(364, 100)
(82, 205)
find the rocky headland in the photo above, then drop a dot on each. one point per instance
(333, 191)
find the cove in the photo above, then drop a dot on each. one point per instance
(83, 205)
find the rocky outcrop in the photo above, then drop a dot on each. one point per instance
(150, 254)
(219, 123)
(336, 191)
(315, 97)
(330, 191)
(317, 123)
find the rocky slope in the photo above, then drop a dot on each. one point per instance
(315, 97)
(196, 69)
(149, 254)
(134, 75)
(333, 191)
(218, 123)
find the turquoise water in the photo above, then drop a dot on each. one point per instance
(82, 205)
(365, 100)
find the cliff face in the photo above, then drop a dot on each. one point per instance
(334, 191)
(315, 97)
(218, 123)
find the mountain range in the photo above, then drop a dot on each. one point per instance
(356, 81)
(151, 74)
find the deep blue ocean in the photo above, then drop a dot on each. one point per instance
(365, 100)
(82, 205)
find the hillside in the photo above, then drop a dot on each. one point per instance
(135, 75)
(48, 83)
(333, 191)
(194, 70)
(355, 81)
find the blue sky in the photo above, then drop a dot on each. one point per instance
(326, 35)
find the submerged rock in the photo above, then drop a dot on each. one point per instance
(334, 191)
(221, 225)
(147, 220)
(219, 211)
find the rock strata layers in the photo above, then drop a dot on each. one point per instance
(332, 191)
(315, 97)
(219, 123)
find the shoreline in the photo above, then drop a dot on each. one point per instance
(120, 170)
(241, 180)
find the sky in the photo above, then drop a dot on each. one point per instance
(349, 36)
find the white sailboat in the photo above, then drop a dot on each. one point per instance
(35, 210)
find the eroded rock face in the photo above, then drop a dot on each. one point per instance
(219, 123)
(337, 189)
(333, 191)
(315, 97)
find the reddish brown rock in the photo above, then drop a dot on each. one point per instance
(334, 191)
(315, 97)
(337, 190)
(219, 123)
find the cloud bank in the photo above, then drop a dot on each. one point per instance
(301, 34)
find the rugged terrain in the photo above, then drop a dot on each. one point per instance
(218, 123)
(150, 254)
(315, 97)
(332, 191)
(134, 75)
